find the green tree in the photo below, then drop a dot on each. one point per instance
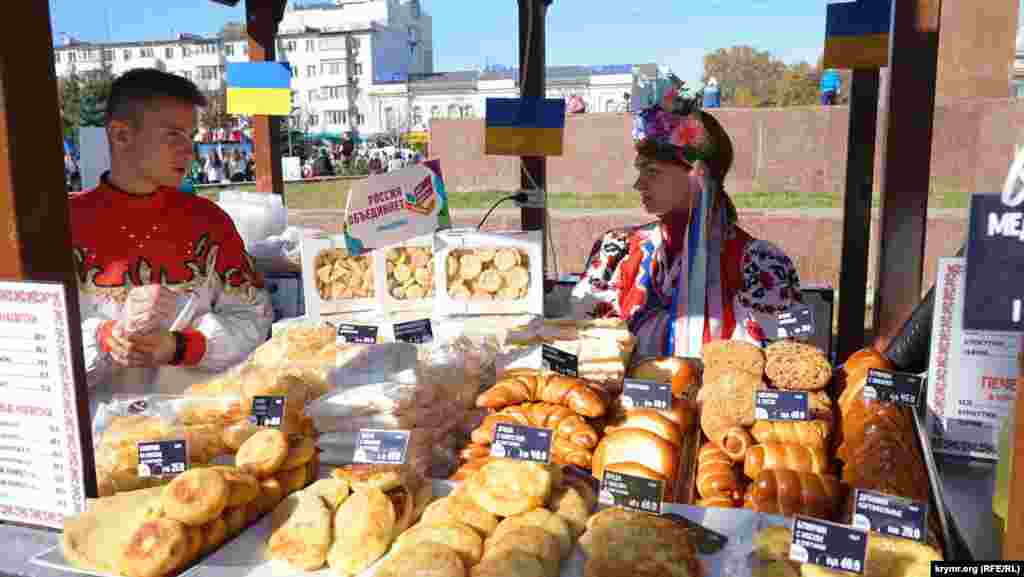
(798, 85)
(215, 114)
(95, 91)
(69, 97)
(755, 71)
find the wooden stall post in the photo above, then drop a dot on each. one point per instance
(34, 217)
(262, 18)
(906, 166)
(532, 80)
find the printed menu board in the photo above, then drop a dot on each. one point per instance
(41, 471)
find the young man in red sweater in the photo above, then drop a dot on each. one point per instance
(136, 229)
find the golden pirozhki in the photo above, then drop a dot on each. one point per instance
(340, 276)
(501, 274)
(409, 272)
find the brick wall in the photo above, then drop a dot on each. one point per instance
(800, 149)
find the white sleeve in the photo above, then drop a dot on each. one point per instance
(238, 323)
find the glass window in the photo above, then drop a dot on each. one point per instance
(229, 49)
(310, 45)
(332, 67)
(56, 56)
(417, 115)
(314, 119)
(146, 52)
(71, 56)
(295, 71)
(186, 51)
(435, 111)
(357, 69)
(454, 111)
(245, 48)
(336, 116)
(108, 54)
(360, 119)
(311, 95)
(468, 112)
(310, 71)
(127, 54)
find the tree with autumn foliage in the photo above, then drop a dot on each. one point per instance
(751, 78)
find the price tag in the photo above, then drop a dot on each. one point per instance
(829, 545)
(357, 334)
(161, 458)
(637, 394)
(267, 411)
(796, 322)
(560, 361)
(629, 492)
(890, 515)
(381, 447)
(708, 541)
(898, 388)
(415, 332)
(781, 406)
(522, 443)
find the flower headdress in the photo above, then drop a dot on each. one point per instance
(673, 130)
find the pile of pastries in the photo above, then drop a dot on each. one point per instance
(623, 543)
(409, 272)
(340, 275)
(159, 531)
(488, 274)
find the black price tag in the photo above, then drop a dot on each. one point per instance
(267, 411)
(629, 492)
(522, 443)
(994, 278)
(708, 541)
(829, 545)
(796, 322)
(357, 334)
(890, 515)
(415, 332)
(898, 388)
(560, 361)
(161, 458)
(381, 447)
(781, 406)
(637, 394)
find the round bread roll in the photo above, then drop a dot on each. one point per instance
(236, 518)
(155, 548)
(424, 560)
(797, 366)
(461, 538)
(262, 454)
(214, 533)
(332, 491)
(195, 497)
(292, 481)
(462, 510)
(507, 487)
(638, 446)
(300, 452)
(573, 501)
(733, 354)
(194, 538)
(271, 493)
(862, 361)
(509, 563)
(649, 420)
(364, 527)
(532, 541)
(242, 487)
(682, 373)
(543, 519)
(638, 470)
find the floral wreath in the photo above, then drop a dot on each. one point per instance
(673, 130)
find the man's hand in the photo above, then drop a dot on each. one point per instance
(153, 350)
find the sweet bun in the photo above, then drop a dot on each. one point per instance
(733, 354)
(638, 446)
(680, 372)
(649, 420)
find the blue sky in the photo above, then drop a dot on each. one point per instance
(673, 32)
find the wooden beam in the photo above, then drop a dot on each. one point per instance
(860, 173)
(906, 166)
(262, 18)
(532, 84)
(34, 218)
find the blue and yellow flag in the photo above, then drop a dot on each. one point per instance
(524, 126)
(857, 34)
(259, 88)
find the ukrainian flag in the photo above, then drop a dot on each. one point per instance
(524, 126)
(259, 88)
(857, 34)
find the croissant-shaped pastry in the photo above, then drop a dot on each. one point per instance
(721, 502)
(716, 476)
(813, 434)
(563, 422)
(467, 470)
(789, 493)
(474, 451)
(582, 396)
(780, 456)
(564, 452)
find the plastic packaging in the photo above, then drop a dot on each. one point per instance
(333, 280)
(405, 276)
(256, 215)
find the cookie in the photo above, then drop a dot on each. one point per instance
(155, 548)
(292, 481)
(332, 491)
(424, 560)
(236, 520)
(195, 497)
(461, 510)
(797, 366)
(507, 487)
(214, 534)
(509, 563)
(733, 354)
(532, 541)
(263, 453)
(301, 532)
(542, 519)
(242, 487)
(363, 529)
(461, 538)
(300, 452)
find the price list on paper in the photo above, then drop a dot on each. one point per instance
(40, 451)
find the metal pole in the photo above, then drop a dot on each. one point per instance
(532, 17)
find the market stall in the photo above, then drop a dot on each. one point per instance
(424, 412)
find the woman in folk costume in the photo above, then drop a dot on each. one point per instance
(692, 275)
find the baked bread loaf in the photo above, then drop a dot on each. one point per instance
(733, 354)
(781, 456)
(637, 446)
(716, 475)
(648, 420)
(859, 363)
(682, 373)
(301, 532)
(735, 442)
(728, 401)
(812, 434)
(789, 493)
(887, 557)
(561, 420)
(797, 366)
(720, 502)
(582, 396)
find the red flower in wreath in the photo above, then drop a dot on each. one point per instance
(688, 132)
(767, 280)
(755, 331)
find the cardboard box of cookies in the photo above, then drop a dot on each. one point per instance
(488, 273)
(333, 280)
(405, 276)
